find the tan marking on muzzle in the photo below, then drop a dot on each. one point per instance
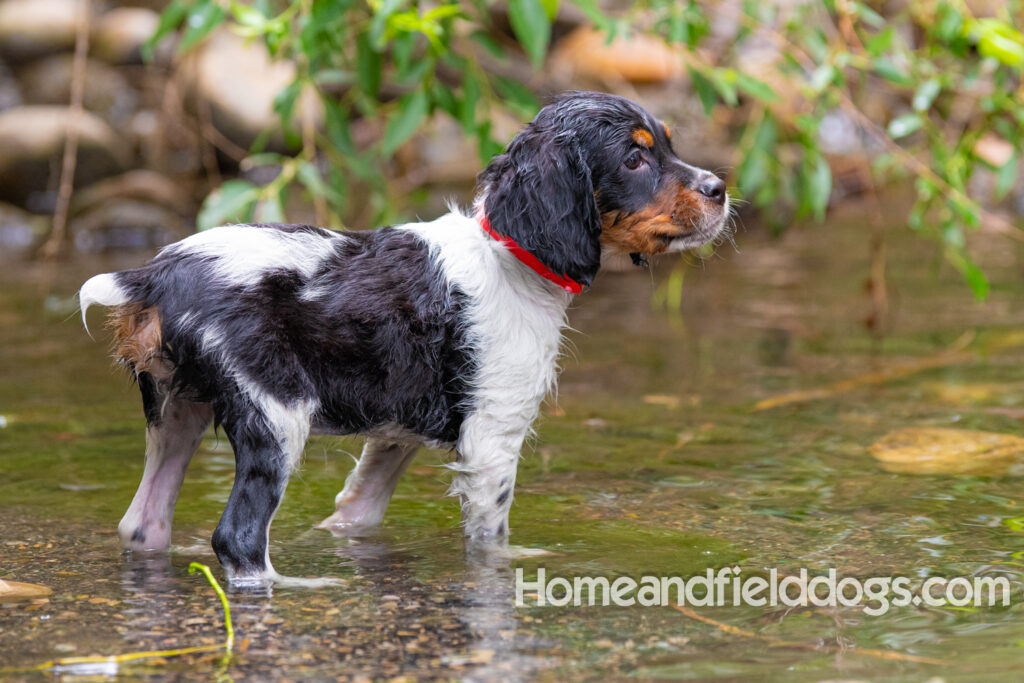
(674, 213)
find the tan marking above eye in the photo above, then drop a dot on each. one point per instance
(643, 137)
(668, 133)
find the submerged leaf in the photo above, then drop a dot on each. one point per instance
(14, 591)
(930, 450)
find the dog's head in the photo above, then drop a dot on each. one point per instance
(595, 171)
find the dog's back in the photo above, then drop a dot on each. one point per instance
(359, 324)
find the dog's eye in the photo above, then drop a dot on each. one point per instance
(634, 160)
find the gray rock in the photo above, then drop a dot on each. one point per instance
(32, 144)
(127, 224)
(10, 91)
(119, 34)
(32, 28)
(239, 80)
(19, 230)
(107, 93)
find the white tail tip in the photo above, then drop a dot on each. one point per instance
(102, 290)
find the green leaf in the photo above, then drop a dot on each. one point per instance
(170, 19)
(904, 125)
(488, 43)
(368, 65)
(1006, 177)
(309, 175)
(337, 128)
(517, 97)
(594, 14)
(820, 186)
(202, 18)
(756, 88)
(1000, 41)
(880, 42)
(249, 17)
(270, 211)
(950, 23)
(724, 81)
(412, 109)
(926, 93)
(467, 105)
(380, 21)
(890, 71)
(976, 279)
(232, 202)
(705, 89)
(532, 27)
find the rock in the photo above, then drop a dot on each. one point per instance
(240, 81)
(993, 150)
(10, 91)
(19, 230)
(587, 54)
(140, 185)
(32, 144)
(947, 451)
(127, 224)
(119, 34)
(32, 28)
(106, 91)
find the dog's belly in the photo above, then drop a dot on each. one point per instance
(389, 432)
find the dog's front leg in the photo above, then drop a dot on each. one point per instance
(488, 455)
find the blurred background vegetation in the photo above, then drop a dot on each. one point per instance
(127, 123)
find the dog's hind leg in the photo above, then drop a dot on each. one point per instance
(268, 442)
(174, 430)
(369, 487)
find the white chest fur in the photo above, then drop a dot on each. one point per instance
(515, 323)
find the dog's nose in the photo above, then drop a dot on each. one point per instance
(713, 188)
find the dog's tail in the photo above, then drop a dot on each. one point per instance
(103, 290)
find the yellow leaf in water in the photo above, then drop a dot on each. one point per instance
(13, 591)
(662, 400)
(959, 394)
(947, 451)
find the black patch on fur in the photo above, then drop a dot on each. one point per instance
(502, 497)
(151, 400)
(261, 475)
(138, 536)
(541, 195)
(376, 337)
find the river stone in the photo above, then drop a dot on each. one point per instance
(19, 230)
(106, 92)
(33, 28)
(240, 81)
(586, 53)
(119, 34)
(32, 144)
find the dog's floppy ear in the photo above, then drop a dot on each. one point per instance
(539, 193)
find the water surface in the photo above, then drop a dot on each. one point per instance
(651, 461)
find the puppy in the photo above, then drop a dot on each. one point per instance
(444, 333)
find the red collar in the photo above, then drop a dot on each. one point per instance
(531, 261)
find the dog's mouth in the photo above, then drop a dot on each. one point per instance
(689, 222)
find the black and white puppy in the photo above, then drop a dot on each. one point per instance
(444, 333)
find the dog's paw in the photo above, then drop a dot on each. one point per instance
(345, 526)
(270, 579)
